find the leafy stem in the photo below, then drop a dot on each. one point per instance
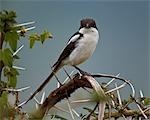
(1, 62)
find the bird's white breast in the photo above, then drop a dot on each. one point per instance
(84, 48)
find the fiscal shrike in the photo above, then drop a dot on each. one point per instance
(78, 49)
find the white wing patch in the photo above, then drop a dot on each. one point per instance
(74, 38)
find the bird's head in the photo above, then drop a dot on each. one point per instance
(87, 25)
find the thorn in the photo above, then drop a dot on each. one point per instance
(76, 113)
(82, 101)
(18, 50)
(119, 97)
(117, 88)
(19, 68)
(141, 94)
(22, 89)
(42, 98)
(36, 106)
(37, 102)
(20, 105)
(142, 111)
(16, 90)
(24, 24)
(70, 109)
(111, 80)
(30, 28)
(27, 29)
(119, 78)
(61, 109)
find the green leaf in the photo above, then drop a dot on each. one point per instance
(11, 74)
(45, 35)
(1, 55)
(42, 38)
(7, 57)
(147, 101)
(4, 105)
(7, 20)
(3, 100)
(12, 38)
(33, 38)
(36, 37)
(14, 71)
(32, 41)
(10, 71)
(2, 84)
(12, 81)
(6, 71)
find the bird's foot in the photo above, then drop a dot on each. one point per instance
(81, 71)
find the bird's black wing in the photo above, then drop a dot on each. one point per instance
(69, 48)
(66, 52)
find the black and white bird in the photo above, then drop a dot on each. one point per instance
(78, 49)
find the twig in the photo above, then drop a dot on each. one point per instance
(56, 77)
(119, 78)
(127, 113)
(1, 45)
(67, 78)
(109, 111)
(124, 117)
(88, 117)
(142, 111)
(101, 111)
(78, 81)
(148, 108)
(67, 73)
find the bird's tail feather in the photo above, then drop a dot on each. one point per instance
(56, 68)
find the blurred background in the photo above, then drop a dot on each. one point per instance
(123, 46)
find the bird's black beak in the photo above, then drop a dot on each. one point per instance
(87, 25)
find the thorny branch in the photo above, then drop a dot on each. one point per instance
(116, 107)
(78, 81)
(60, 93)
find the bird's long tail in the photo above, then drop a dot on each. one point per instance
(55, 70)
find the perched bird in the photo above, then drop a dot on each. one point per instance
(78, 49)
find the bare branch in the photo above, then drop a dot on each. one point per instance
(77, 81)
(60, 93)
(119, 78)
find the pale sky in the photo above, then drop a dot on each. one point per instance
(123, 46)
